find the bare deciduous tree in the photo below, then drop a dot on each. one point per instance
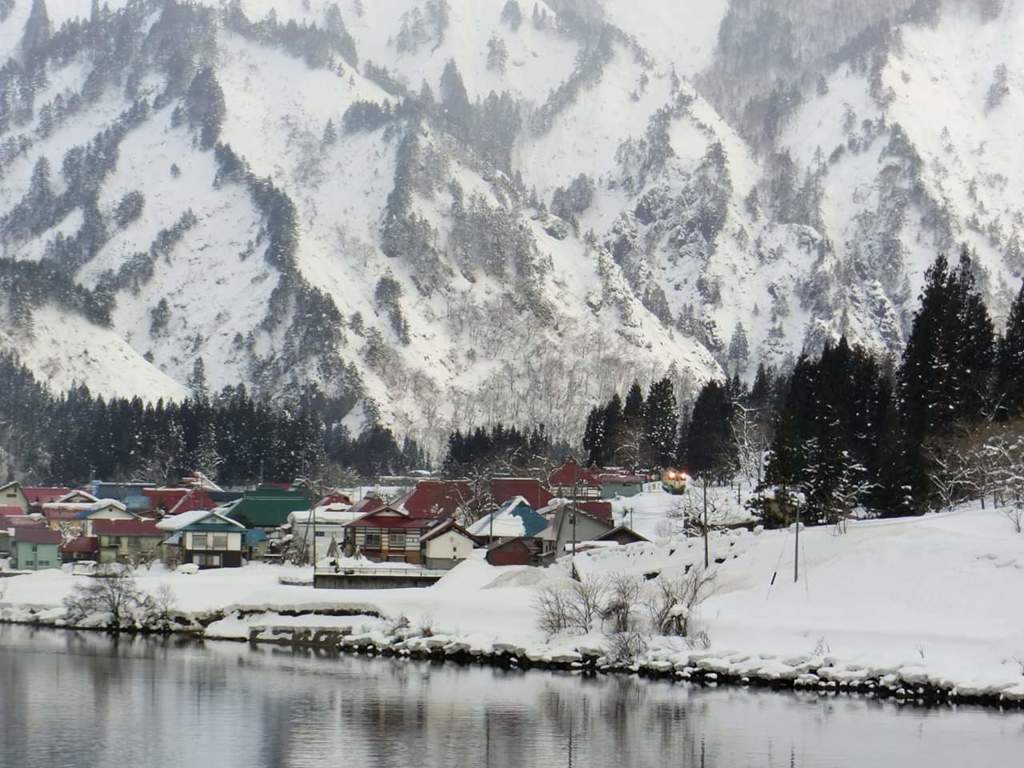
(586, 601)
(551, 604)
(114, 599)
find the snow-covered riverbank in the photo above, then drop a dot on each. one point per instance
(929, 603)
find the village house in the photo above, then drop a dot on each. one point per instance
(266, 508)
(174, 501)
(314, 532)
(104, 509)
(80, 548)
(513, 519)
(34, 548)
(517, 551)
(129, 494)
(534, 491)
(38, 496)
(13, 500)
(571, 481)
(388, 535)
(622, 536)
(207, 538)
(7, 526)
(620, 484)
(446, 545)
(127, 541)
(569, 525)
(435, 498)
(75, 518)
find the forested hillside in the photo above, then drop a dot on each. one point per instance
(448, 214)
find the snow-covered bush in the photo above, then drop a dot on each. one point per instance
(620, 607)
(670, 600)
(624, 647)
(114, 601)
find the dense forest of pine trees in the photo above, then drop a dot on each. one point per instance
(230, 436)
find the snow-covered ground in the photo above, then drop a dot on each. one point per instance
(935, 598)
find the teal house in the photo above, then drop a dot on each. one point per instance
(35, 549)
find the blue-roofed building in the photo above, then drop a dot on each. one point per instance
(129, 494)
(513, 519)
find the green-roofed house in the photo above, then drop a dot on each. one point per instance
(266, 508)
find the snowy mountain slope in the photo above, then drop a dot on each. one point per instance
(449, 212)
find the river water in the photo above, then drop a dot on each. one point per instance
(84, 699)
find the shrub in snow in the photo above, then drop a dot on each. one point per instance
(670, 601)
(113, 600)
(624, 647)
(187, 569)
(620, 607)
(551, 604)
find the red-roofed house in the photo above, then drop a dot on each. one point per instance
(7, 526)
(195, 499)
(80, 548)
(334, 498)
(389, 534)
(436, 498)
(125, 540)
(164, 499)
(571, 481)
(367, 504)
(534, 491)
(38, 495)
(602, 510)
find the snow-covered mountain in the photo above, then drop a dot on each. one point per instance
(453, 211)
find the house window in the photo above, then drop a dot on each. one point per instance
(371, 538)
(396, 541)
(220, 541)
(207, 560)
(199, 541)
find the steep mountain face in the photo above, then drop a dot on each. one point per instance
(446, 212)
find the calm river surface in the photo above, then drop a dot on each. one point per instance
(83, 699)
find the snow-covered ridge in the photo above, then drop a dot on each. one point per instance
(509, 257)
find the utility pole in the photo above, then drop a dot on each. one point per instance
(573, 521)
(707, 546)
(796, 548)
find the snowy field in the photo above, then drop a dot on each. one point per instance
(937, 597)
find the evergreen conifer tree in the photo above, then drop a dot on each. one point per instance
(1010, 364)
(660, 418)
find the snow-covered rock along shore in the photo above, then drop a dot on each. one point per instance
(920, 609)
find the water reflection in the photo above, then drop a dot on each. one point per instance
(82, 699)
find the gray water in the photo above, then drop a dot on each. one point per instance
(84, 699)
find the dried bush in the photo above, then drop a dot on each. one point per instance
(620, 606)
(552, 606)
(624, 647)
(585, 604)
(113, 600)
(670, 601)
